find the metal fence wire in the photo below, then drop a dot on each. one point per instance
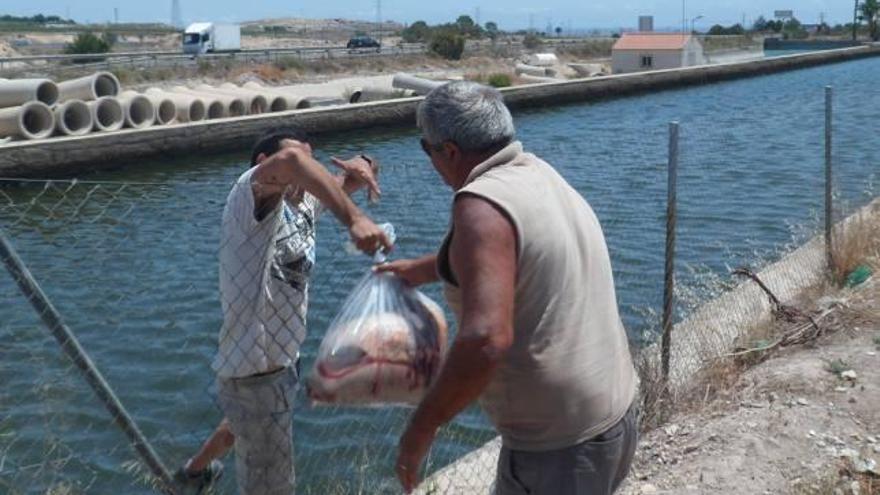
(143, 299)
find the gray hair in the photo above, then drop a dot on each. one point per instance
(471, 115)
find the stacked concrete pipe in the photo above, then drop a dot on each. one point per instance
(294, 101)
(255, 102)
(15, 92)
(33, 120)
(274, 103)
(138, 110)
(189, 108)
(419, 85)
(107, 114)
(89, 88)
(165, 111)
(73, 118)
(233, 106)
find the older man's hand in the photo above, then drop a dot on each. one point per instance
(414, 445)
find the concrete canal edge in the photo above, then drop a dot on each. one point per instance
(709, 333)
(67, 156)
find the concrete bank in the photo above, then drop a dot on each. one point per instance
(69, 156)
(711, 332)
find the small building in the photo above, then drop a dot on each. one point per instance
(638, 52)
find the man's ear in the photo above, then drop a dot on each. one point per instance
(261, 158)
(451, 150)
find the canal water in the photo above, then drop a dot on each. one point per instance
(129, 257)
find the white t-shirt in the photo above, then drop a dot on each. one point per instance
(264, 281)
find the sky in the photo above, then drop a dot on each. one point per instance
(509, 14)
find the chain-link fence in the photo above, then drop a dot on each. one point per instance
(131, 265)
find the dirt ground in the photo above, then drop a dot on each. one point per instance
(805, 421)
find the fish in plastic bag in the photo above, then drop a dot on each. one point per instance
(385, 346)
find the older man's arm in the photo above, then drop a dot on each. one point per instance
(483, 257)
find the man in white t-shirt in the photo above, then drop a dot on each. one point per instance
(266, 255)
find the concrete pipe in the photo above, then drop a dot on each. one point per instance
(188, 108)
(33, 120)
(531, 70)
(255, 102)
(294, 101)
(89, 88)
(165, 109)
(419, 85)
(368, 94)
(588, 70)
(16, 92)
(107, 114)
(324, 101)
(139, 110)
(538, 79)
(73, 118)
(233, 106)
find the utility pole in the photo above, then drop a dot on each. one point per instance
(116, 15)
(379, 20)
(855, 21)
(477, 16)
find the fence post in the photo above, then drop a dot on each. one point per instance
(71, 346)
(829, 220)
(669, 278)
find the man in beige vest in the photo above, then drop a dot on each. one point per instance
(540, 342)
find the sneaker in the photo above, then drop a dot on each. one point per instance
(199, 481)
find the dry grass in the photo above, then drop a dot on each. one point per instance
(856, 241)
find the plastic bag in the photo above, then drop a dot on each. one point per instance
(385, 346)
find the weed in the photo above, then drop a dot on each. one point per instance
(838, 366)
(499, 80)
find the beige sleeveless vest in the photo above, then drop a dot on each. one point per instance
(568, 376)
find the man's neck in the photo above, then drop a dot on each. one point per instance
(472, 161)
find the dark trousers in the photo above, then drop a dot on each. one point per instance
(594, 467)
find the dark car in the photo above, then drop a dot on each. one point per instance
(363, 42)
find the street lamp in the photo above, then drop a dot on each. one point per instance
(693, 21)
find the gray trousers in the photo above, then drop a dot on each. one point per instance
(260, 414)
(594, 467)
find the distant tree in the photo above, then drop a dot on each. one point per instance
(869, 11)
(447, 44)
(417, 32)
(467, 27)
(793, 29)
(558, 31)
(760, 24)
(491, 30)
(716, 30)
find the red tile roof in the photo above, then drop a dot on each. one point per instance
(652, 41)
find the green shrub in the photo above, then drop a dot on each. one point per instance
(87, 42)
(448, 45)
(532, 41)
(499, 80)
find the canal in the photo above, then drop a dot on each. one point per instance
(129, 258)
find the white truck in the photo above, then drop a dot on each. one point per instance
(208, 37)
